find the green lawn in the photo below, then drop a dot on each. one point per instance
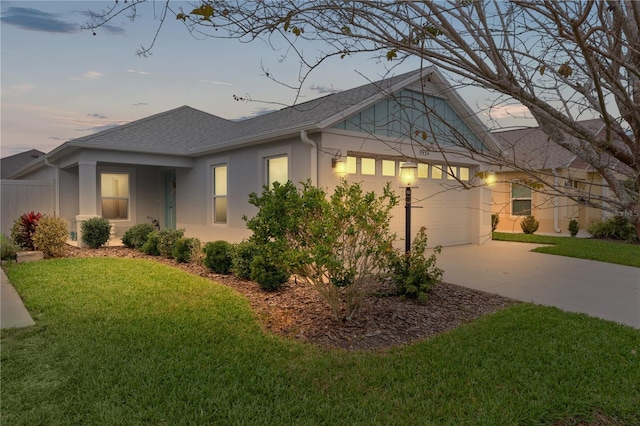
(584, 248)
(131, 342)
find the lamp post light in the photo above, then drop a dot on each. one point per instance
(408, 173)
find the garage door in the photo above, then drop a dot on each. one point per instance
(440, 205)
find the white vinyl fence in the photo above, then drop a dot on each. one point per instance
(24, 196)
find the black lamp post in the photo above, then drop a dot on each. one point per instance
(408, 172)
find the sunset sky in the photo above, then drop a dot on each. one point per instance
(59, 82)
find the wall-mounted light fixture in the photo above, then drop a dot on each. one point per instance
(339, 166)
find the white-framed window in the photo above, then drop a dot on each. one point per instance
(388, 168)
(351, 165)
(367, 166)
(114, 196)
(520, 199)
(464, 173)
(451, 172)
(436, 171)
(423, 170)
(277, 170)
(220, 194)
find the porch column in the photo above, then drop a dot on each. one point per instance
(87, 195)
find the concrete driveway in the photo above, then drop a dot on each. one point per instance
(599, 289)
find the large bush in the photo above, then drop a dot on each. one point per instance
(96, 232)
(218, 256)
(50, 236)
(23, 229)
(167, 239)
(8, 248)
(529, 225)
(137, 235)
(414, 274)
(616, 228)
(185, 249)
(338, 246)
(243, 254)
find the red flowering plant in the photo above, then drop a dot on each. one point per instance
(24, 228)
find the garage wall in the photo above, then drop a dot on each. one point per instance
(23, 196)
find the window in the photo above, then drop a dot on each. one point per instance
(423, 170)
(277, 170)
(368, 166)
(220, 194)
(464, 173)
(436, 172)
(388, 168)
(114, 192)
(351, 165)
(520, 199)
(451, 172)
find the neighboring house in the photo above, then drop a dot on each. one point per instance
(192, 170)
(9, 165)
(514, 197)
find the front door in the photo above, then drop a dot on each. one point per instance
(169, 180)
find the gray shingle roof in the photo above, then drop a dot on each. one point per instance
(188, 131)
(13, 163)
(532, 149)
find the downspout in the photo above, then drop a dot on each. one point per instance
(556, 207)
(56, 179)
(314, 156)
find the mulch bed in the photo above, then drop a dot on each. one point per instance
(382, 321)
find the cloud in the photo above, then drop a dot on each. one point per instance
(256, 113)
(323, 89)
(103, 117)
(509, 111)
(222, 83)
(89, 75)
(139, 72)
(140, 104)
(31, 19)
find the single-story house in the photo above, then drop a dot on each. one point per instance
(516, 195)
(193, 170)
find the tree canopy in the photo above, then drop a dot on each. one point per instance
(566, 61)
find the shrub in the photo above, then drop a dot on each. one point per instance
(616, 227)
(167, 239)
(8, 248)
(217, 256)
(574, 227)
(529, 225)
(268, 272)
(242, 256)
(495, 220)
(414, 274)
(185, 248)
(137, 235)
(51, 236)
(150, 246)
(23, 229)
(96, 232)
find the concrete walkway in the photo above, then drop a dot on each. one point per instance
(12, 310)
(510, 269)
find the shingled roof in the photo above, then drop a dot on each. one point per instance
(13, 163)
(531, 148)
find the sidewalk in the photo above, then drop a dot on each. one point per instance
(13, 314)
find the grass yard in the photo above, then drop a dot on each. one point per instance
(584, 248)
(131, 341)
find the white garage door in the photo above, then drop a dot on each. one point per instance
(440, 205)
